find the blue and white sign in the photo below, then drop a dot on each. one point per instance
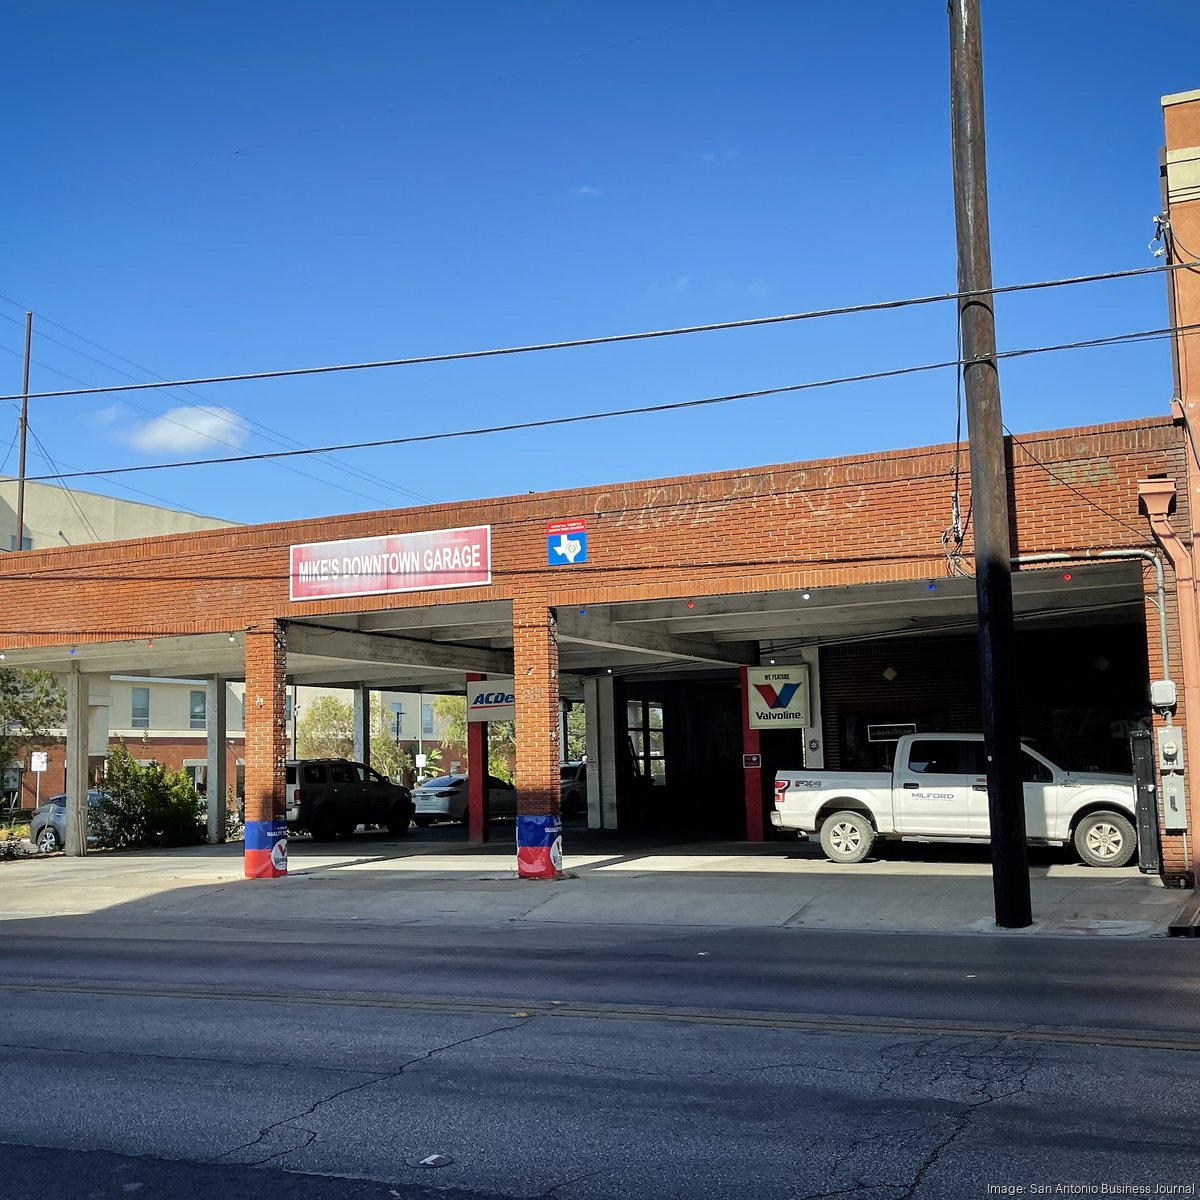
(566, 543)
(492, 700)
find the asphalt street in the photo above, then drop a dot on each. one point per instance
(589, 1061)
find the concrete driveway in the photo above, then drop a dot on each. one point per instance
(433, 877)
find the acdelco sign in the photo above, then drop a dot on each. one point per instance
(778, 697)
(492, 700)
(398, 562)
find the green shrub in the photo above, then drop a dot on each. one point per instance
(145, 805)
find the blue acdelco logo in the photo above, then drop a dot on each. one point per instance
(493, 699)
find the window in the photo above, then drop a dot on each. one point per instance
(198, 711)
(140, 708)
(1033, 771)
(645, 721)
(426, 719)
(937, 757)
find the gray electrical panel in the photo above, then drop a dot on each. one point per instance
(1170, 769)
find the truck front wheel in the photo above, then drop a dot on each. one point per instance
(1105, 839)
(847, 837)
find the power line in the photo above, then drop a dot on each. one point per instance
(274, 435)
(74, 503)
(675, 406)
(611, 339)
(1068, 485)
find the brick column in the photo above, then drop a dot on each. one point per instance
(535, 662)
(266, 750)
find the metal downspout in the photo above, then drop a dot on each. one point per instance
(1157, 497)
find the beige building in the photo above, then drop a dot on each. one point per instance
(56, 516)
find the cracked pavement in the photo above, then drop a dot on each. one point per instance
(213, 1095)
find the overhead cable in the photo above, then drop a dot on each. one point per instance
(611, 339)
(673, 406)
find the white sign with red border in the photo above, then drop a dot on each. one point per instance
(397, 562)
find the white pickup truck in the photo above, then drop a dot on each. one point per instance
(938, 789)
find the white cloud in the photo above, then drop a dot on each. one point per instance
(189, 428)
(585, 191)
(109, 415)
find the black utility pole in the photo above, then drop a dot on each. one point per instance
(22, 430)
(989, 482)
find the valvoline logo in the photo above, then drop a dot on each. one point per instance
(493, 700)
(777, 699)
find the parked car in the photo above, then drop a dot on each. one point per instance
(938, 789)
(574, 788)
(329, 797)
(445, 799)
(48, 825)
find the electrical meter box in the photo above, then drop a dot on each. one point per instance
(1170, 768)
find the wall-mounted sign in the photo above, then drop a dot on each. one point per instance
(751, 761)
(491, 700)
(398, 562)
(889, 733)
(778, 697)
(566, 543)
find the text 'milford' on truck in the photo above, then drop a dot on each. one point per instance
(938, 789)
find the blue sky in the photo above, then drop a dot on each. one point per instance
(222, 188)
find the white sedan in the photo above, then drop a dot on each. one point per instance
(445, 799)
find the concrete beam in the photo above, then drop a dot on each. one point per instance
(216, 781)
(308, 641)
(598, 630)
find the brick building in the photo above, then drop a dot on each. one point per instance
(686, 586)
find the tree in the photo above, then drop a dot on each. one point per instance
(451, 712)
(31, 704)
(388, 757)
(325, 729)
(576, 746)
(145, 805)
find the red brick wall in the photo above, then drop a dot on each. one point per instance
(840, 521)
(867, 518)
(535, 665)
(167, 752)
(266, 723)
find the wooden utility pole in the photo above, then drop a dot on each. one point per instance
(989, 481)
(22, 428)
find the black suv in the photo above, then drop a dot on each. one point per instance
(333, 796)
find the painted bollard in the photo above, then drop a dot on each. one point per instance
(539, 847)
(266, 849)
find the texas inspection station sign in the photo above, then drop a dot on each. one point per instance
(397, 562)
(778, 697)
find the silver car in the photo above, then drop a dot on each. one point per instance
(48, 826)
(445, 799)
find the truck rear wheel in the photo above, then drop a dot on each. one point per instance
(1105, 839)
(847, 837)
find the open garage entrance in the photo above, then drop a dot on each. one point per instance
(828, 581)
(662, 681)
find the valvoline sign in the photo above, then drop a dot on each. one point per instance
(491, 700)
(778, 697)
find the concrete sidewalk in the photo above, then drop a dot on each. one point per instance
(376, 879)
